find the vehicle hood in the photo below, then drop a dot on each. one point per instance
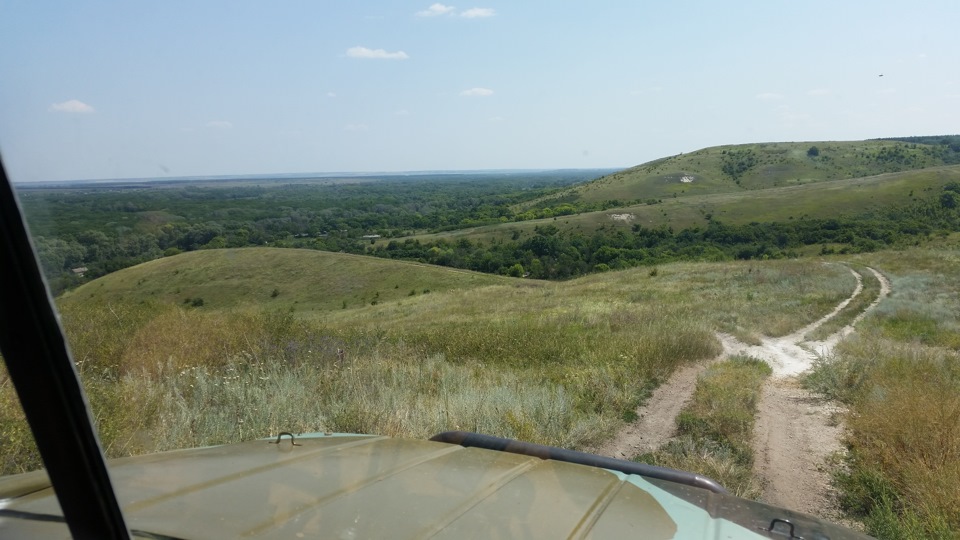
(354, 486)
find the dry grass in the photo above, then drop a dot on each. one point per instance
(716, 427)
(554, 363)
(901, 377)
(18, 451)
(903, 434)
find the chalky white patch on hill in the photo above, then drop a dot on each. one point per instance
(686, 180)
(623, 217)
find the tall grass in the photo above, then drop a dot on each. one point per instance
(554, 363)
(18, 451)
(716, 428)
(901, 377)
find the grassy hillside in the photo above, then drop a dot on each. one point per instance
(900, 376)
(301, 280)
(557, 363)
(735, 168)
(811, 200)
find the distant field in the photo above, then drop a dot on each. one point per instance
(304, 280)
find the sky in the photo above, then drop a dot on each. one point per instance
(101, 89)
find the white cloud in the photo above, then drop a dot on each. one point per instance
(356, 127)
(477, 92)
(71, 106)
(769, 96)
(495, 119)
(435, 10)
(402, 112)
(219, 124)
(477, 13)
(819, 92)
(331, 94)
(380, 54)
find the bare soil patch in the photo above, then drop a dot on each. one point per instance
(794, 437)
(796, 432)
(657, 418)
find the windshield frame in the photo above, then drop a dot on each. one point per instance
(41, 368)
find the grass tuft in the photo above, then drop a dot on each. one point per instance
(716, 427)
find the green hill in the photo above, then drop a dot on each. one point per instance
(810, 200)
(302, 280)
(737, 168)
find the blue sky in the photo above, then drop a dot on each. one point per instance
(153, 89)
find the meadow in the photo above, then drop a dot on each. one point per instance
(561, 363)
(555, 363)
(900, 377)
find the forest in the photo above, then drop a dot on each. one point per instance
(85, 231)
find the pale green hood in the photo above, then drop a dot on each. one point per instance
(336, 486)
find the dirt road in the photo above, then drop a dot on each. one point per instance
(795, 430)
(657, 418)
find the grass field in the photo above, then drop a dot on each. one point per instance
(561, 363)
(274, 278)
(555, 363)
(734, 168)
(900, 376)
(811, 200)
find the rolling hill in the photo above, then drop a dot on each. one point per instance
(739, 184)
(297, 279)
(737, 168)
(810, 200)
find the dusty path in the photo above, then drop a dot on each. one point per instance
(795, 430)
(825, 347)
(785, 354)
(657, 418)
(794, 435)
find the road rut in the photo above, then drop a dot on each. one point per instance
(795, 431)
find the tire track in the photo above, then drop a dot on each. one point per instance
(795, 431)
(657, 418)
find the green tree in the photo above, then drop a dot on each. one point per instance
(516, 270)
(813, 151)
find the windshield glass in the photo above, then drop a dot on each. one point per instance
(717, 238)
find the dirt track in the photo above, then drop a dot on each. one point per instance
(657, 418)
(795, 430)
